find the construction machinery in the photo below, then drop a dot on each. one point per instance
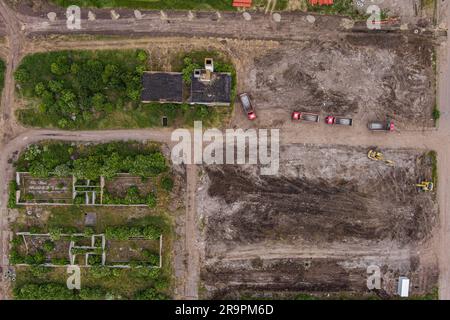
(381, 126)
(378, 156)
(303, 116)
(425, 186)
(339, 121)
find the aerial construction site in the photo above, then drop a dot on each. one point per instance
(111, 113)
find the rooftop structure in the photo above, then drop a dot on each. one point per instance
(164, 87)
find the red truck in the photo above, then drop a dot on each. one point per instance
(303, 116)
(247, 106)
(339, 121)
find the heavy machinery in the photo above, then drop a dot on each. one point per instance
(381, 126)
(303, 116)
(339, 121)
(425, 186)
(378, 156)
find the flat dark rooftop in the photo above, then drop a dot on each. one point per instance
(217, 91)
(162, 87)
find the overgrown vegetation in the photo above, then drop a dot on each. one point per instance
(91, 161)
(132, 197)
(98, 282)
(74, 89)
(56, 291)
(434, 174)
(196, 60)
(97, 90)
(340, 7)
(12, 194)
(149, 232)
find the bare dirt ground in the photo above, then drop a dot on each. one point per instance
(389, 78)
(317, 225)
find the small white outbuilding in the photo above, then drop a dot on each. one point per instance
(403, 287)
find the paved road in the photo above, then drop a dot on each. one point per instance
(292, 27)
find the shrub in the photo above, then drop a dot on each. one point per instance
(48, 245)
(100, 271)
(150, 294)
(125, 232)
(55, 233)
(436, 114)
(151, 200)
(188, 70)
(167, 183)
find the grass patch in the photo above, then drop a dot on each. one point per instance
(99, 282)
(433, 295)
(2, 75)
(342, 7)
(152, 4)
(428, 4)
(434, 170)
(12, 194)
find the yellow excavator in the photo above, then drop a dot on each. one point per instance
(378, 156)
(425, 186)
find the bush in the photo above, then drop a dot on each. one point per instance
(167, 183)
(47, 291)
(15, 257)
(67, 84)
(39, 271)
(55, 233)
(90, 162)
(56, 291)
(125, 232)
(60, 261)
(100, 271)
(151, 200)
(150, 294)
(188, 70)
(48, 246)
(151, 257)
(436, 114)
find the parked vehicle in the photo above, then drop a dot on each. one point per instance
(303, 116)
(339, 121)
(381, 126)
(247, 106)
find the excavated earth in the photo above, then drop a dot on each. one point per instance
(317, 225)
(391, 77)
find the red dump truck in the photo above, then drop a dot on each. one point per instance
(303, 116)
(339, 121)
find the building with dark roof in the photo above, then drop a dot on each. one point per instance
(163, 87)
(210, 88)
